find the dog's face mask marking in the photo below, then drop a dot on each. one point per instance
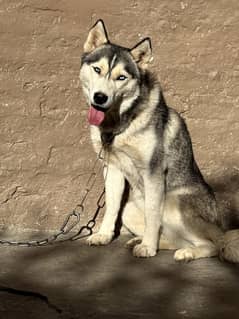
(110, 73)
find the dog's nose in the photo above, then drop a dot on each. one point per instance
(100, 98)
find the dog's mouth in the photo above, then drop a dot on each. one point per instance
(96, 114)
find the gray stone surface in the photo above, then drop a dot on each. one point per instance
(108, 282)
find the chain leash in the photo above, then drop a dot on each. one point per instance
(73, 218)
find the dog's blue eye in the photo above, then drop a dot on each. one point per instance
(121, 77)
(96, 69)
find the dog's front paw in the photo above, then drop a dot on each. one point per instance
(184, 255)
(99, 239)
(142, 250)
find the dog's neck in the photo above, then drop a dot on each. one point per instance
(116, 123)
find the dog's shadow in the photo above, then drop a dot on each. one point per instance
(226, 189)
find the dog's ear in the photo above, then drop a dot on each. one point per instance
(142, 53)
(96, 37)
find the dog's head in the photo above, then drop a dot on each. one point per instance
(111, 74)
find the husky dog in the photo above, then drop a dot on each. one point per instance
(147, 145)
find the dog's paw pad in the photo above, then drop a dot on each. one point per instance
(184, 255)
(99, 239)
(141, 250)
(132, 242)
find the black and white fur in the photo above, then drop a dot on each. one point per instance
(147, 144)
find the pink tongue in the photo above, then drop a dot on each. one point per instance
(95, 117)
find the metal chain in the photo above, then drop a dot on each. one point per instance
(73, 218)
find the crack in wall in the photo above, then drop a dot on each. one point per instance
(10, 194)
(35, 9)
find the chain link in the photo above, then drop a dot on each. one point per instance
(73, 218)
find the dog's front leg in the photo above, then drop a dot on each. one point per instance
(154, 202)
(114, 187)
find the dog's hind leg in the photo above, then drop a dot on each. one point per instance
(164, 244)
(133, 221)
(133, 213)
(133, 241)
(191, 253)
(183, 223)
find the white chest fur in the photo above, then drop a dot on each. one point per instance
(128, 152)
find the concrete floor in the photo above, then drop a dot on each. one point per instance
(73, 280)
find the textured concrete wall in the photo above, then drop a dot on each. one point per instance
(45, 151)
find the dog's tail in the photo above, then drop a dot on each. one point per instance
(229, 246)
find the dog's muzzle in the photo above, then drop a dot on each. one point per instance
(100, 98)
